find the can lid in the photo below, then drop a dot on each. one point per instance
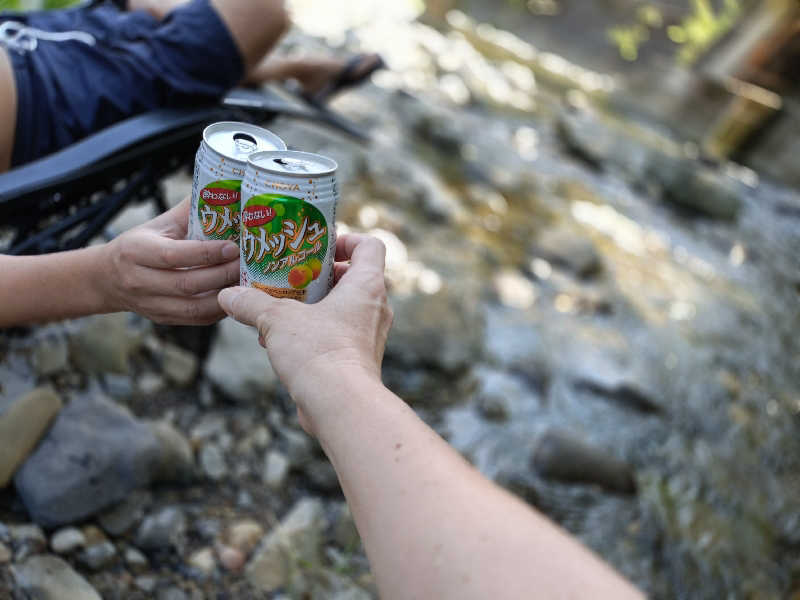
(239, 140)
(292, 163)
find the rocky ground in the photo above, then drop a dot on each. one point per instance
(597, 320)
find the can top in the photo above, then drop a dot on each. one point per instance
(239, 140)
(292, 163)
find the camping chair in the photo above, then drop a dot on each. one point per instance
(64, 200)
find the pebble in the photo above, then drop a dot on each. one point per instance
(322, 475)
(124, 516)
(209, 426)
(150, 383)
(276, 469)
(22, 425)
(67, 540)
(93, 535)
(176, 458)
(103, 344)
(27, 540)
(299, 448)
(244, 535)
(343, 530)
(98, 556)
(231, 558)
(171, 593)
(135, 560)
(118, 386)
(179, 365)
(146, 583)
(208, 529)
(164, 529)
(5, 553)
(213, 462)
(203, 560)
(48, 577)
(51, 356)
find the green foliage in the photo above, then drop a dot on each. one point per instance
(695, 33)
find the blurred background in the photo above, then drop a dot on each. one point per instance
(592, 217)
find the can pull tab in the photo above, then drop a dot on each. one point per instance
(290, 165)
(245, 144)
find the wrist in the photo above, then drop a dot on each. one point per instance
(101, 283)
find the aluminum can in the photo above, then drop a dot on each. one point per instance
(288, 239)
(219, 167)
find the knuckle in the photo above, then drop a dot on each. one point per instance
(167, 256)
(185, 286)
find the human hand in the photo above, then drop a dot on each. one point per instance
(309, 345)
(154, 271)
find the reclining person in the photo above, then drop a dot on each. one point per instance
(69, 73)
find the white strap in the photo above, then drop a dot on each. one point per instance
(17, 36)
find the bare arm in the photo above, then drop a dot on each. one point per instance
(144, 270)
(432, 525)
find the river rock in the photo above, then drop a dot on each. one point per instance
(244, 535)
(94, 455)
(212, 459)
(22, 424)
(175, 459)
(27, 540)
(276, 470)
(327, 584)
(67, 540)
(51, 356)
(343, 527)
(48, 577)
(441, 331)
(238, 365)
(568, 249)
(203, 560)
(322, 475)
(136, 561)
(121, 518)
(299, 447)
(231, 558)
(162, 530)
(5, 554)
(563, 457)
(295, 541)
(104, 344)
(98, 555)
(179, 365)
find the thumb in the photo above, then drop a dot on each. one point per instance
(246, 305)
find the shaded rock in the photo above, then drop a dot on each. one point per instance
(27, 540)
(322, 475)
(165, 529)
(94, 455)
(146, 583)
(121, 518)
(150, 383)
(50, 356)
(493, 407)
(212, 460)
(329, 585)
(244, 535)
(97, 556)
(104, 344)
(203, 560)
(441, 331)
(136, 561)
(176, 459)
(562, 457)
(299, 447)
(276, 469)
(343, 527)
(17, 378)
(5, 554)
(22, 424)
(209, 426)
(171, 593)
(295, 541)
(118, 386)
(50, 578)
(238, 366)
(179, 365)
(67, 540)
(568, 249)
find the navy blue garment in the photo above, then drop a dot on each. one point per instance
(69, 89)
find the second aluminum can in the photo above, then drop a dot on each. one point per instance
(288, 236)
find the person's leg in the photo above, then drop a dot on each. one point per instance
(256, 26)
(8, 110)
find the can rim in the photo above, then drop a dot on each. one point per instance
(249, 128)
(329, 165)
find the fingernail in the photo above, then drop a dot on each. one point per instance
(230, 251)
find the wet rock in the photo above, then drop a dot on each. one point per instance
(238, 366)
(179, 365)
(295, 541)
(50, 356)
(97, 556)
(5, 554)
(104, 344)
(175, 459)
(67, 540)
(94, 455)
(121, 518)
(136, 561)
(441, 331)
(562, 457)
(568, 249)
(165, 529)
(203, 560)
(22, 424)
(50, 578)
(276, 470)
(212, 460)
(244, 535)
(231, 558)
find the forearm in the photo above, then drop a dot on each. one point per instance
(456, 534)
(51, 287)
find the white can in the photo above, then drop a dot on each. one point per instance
(288, 239)
(219, 167)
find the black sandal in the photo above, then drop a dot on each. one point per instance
(350, 76)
